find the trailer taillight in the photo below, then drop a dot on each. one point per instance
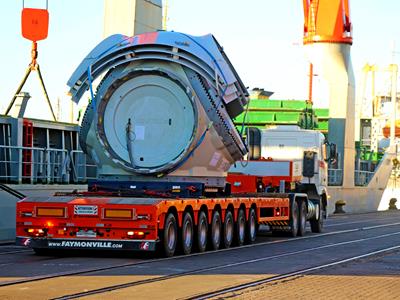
(49, 224)
(36, 232)
(62, 231)
(135, 234)
(58, 212)
(118, 213)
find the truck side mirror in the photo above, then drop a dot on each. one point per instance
(253, 138)
(332, 155)
(332, 152)
(309, 164)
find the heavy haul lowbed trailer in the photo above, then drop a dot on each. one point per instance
(160, 129)
(90, 221)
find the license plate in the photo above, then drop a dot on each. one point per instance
(88, 210)
(88, 233)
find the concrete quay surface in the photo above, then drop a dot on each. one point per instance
(115, 275)
(371, 278)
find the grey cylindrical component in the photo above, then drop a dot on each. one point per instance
(147, 121)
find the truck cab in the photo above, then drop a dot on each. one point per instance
(291, 143)
(286, 159)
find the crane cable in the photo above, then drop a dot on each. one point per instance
(130, 138)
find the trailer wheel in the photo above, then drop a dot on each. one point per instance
(241, 228)
(302, 218)
(202, 229)
(215, 230)
(187, 233)
(294, 219)
(318, 222)
(252, 226)
(170, 235)
(228, 229)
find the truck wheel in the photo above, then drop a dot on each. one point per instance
(202, 229)
(170, 235)
(187, 233)
(228, 229)
(241, 228)
(302, 218)
(318, 222)
(294, 219)
(252, 226)
(215, 230)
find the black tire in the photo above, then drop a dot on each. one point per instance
(229, 229)
(302, 218)
(294, 219)
(251, 226)
(241, 228)
(317, 223)
(187, 233)
(170, 235)
(202, 229)
(215, 232)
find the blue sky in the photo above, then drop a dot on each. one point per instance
(263, 39)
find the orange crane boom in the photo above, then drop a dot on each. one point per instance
(322, 26)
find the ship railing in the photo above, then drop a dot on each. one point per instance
(83, 167)
(361, 177)
(335, 177)
(35, 165)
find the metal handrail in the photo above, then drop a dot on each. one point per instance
(74, 166)
(361, 177)
(46, 165)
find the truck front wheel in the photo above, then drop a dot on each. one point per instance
(294, 219)
(317, 223)
(302, 218)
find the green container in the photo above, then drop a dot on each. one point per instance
(239, 128)
(289, 117)
(322, 113)
(264, 104)
(256, 117)
(322, 125)
(294, 104)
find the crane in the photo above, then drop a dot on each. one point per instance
(327, 21)
(35, 26)
(327, 39)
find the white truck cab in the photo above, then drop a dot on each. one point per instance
(305, 154)
(290, 143)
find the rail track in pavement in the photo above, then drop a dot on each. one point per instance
(224, 266)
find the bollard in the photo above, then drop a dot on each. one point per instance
(392, 203)
(339, 207)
